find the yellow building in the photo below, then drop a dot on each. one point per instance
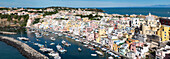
(164, 32)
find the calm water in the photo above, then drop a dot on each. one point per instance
(9, 52)
(163, 12)
(72, 52)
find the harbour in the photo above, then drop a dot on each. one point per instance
(72, 51)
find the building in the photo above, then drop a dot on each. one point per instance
(164, 32)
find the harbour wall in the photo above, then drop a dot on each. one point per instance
(23, 48)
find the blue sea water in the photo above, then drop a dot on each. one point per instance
(9, 52)
(162, 12)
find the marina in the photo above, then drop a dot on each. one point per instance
(49, 47)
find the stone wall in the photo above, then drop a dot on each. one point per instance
(23, 48)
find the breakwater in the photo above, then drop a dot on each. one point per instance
(3, 32)
(23, 48)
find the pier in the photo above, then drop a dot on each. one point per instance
(23, 48)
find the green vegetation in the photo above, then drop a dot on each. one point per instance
(50, 13)
(36, 20)
(91, 17)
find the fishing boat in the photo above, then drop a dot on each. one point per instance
(46, 50)
(79, 49)
(60, 49)
(52, 43)
(23, 38)
(98, 52)
(93, 54)
(52, 38)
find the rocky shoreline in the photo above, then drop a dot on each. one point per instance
(23, 48)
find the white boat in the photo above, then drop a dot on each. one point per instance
(103, 49)
(47, 50)
(47, 34)
(53, 54)
(85, 45)
(60, 34)
(77, 40)
(66, 44)
(98, 52)
(55, 33)
(93, 54)
(60, 49)
(52, 43)
(37, 39)
(63, 41)
(52, 38)
(110, 57)
(79, 49)
(57, 57)
(23, 38)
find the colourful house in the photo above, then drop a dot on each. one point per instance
(164, 32)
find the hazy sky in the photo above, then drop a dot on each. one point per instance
(82, 3)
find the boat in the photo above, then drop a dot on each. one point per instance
(60, 49)
(45, 41)
(52, 38)
(23, 38)
(47, 34)
(46, 50)
(98, 52)
(53, 54)
(110, 57)
(52, 43)
(57, 57)
(103, 49)
(93, 54)
(37, 39)
(79, 49)
(63, 41)
(66, 44)
(60, 34)
(85, 45)
(77, 40)
(55, 33)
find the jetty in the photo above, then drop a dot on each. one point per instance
(23, 48)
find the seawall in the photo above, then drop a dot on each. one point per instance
(23, 48)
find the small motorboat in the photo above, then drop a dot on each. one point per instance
(63, 42)
(57, 57)
(66, 44)
(103, 49)
(46, 50)
(93, 54)
(79, 49)
(52, 38)
(110, 57)
(52, 43)
(98, 52)
(23, 38)
(85, 45)
(60, 34)
(53, 54)
(77, 40)
(37, 39)
(60, 49)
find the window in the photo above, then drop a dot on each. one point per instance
(162, 29)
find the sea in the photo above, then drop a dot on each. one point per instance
(159, 11)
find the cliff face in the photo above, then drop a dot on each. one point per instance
(23, 48)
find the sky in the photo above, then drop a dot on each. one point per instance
(82, 3)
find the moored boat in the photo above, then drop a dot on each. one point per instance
(23, 38)
(60, 49)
